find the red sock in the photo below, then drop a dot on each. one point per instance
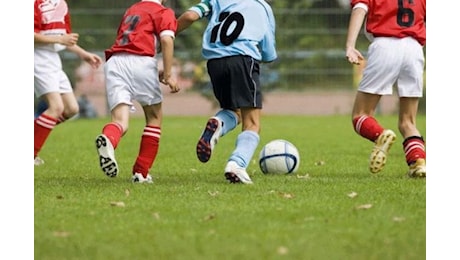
(414, 148)
(113, 131)
(367, 127)
(43, 125)
(148, 150)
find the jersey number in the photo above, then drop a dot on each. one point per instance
(131, 21)
(405, 16)
(226, 20)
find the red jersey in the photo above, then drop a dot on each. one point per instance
(396, 18)
(51, 17)
(141, 25)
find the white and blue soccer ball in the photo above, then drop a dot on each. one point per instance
(279, 157)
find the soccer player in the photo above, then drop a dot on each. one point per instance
(52, 33)
(397, 33)
(240, 34)
(131, 74)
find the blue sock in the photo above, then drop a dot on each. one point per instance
(229, 120)
(246, 144)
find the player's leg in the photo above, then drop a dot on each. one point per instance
(410, 88)
(119, 96)
(149, 144)
(45, 122)
(49, 81)
(383, 66)
(413, 144)
(246, 144)
(146, 90)
(68, 98)
(364, 122)
(71, 107)
(224, 121)
(368, 127)
(108, 140)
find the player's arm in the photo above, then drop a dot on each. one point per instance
(357, 17)
(64, 39)
(186, 19)
(167, 48)
(193, 14)
(93, 59)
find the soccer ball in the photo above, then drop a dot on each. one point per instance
(279, 157)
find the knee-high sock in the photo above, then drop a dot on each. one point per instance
(150, 142)
(229, 120)
(246, 144)
(367, 127)
(43, 125)
(414, 148)
(114, 132)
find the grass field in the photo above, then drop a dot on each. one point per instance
(331, 208)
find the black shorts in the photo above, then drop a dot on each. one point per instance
(235, 82)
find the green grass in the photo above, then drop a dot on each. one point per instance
(191, 212)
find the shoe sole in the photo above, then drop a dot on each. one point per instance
(108, 164)
(234, 178)
(378, 157)
(203, 147)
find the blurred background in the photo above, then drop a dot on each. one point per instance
(311, 75)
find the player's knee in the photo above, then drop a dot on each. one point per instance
(71, 110)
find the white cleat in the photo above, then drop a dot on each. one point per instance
(236, 174)
(138, 178)
(106, 156)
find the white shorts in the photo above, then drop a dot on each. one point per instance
(131, 77)
(48, 74)
(394, 62)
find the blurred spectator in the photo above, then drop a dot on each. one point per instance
(87, 110)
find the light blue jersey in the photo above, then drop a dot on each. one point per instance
(238, 27)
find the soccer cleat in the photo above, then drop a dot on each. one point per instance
(417, 169)
(379, 152)
(38, 161)
(106, 156)
(236, 174)
(208, 139)
(139, 178)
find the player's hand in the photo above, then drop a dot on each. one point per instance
(170, 82)
(94, 60)
(354, 56)
(69, 39)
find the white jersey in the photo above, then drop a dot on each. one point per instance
(51, 17)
